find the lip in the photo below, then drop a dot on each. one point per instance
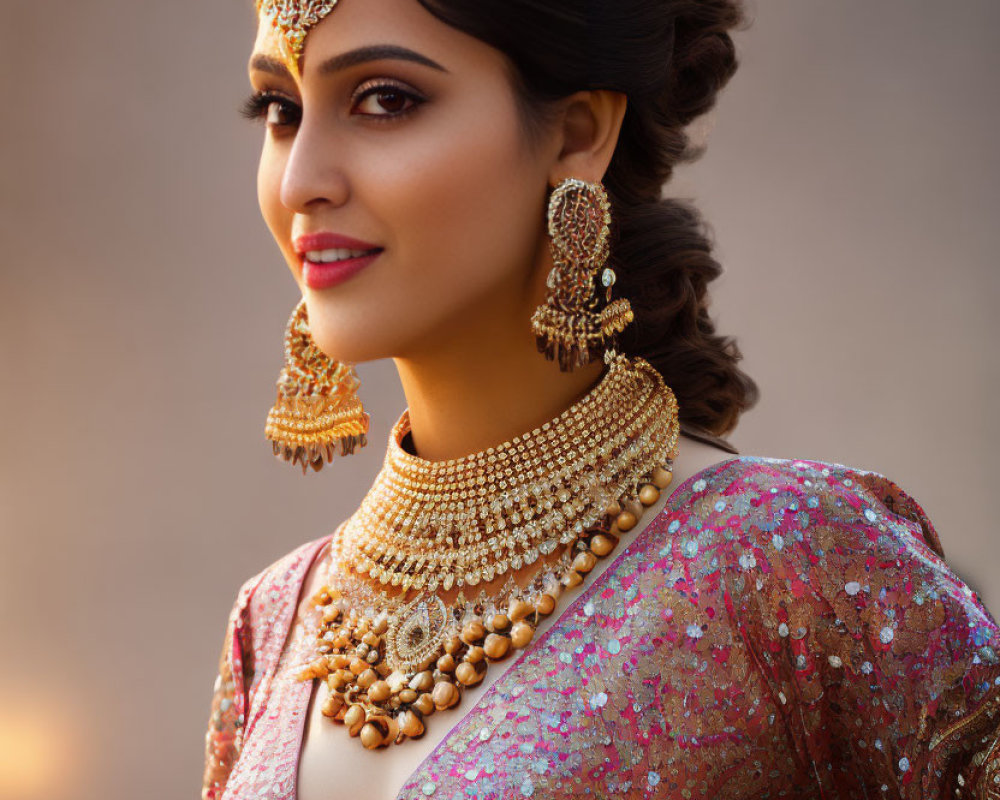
(330, 241)
(323, 276)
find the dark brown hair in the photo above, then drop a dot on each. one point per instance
(670, 58)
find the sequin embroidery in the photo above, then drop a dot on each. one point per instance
(781, 629)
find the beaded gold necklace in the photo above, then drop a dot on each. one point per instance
(546, 505)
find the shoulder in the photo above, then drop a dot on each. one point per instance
(277, 584)
(835, 579)
(843, 553)
(761, 501)
(254, 632)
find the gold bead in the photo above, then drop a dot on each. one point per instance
(475, 655)
(407, 696)
(662, 478)
(499, 623)
(496, 646)
(334, 684)
(601, 544)
(614, 509)
(354, 719)
(521, 634)
(367, 678)
(332, 704)
(626, 521)
(571, 579)
(317, 669)
(379, 692)
(584, 562)
(446, 663)
(648, 494)
(411, 724)
(358, 665)
(519, 609)
(422, 681)
(424, 704)
(473, 632)
(378, 731)
(545, 604)
(444, 695)
(467, 674)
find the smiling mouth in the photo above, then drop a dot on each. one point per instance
(338, 265)
(337, 254)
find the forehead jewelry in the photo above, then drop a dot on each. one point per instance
(293, 19)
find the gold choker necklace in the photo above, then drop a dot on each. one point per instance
(527, 519)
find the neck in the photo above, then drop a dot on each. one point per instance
(464, 399)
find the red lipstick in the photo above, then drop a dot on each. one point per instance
(322, 275)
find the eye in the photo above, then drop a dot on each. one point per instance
(385, 99)
(270, 106)
(376, 99)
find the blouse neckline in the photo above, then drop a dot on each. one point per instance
(676, 499)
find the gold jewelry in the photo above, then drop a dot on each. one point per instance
(555, 499)
(567, 326)
(317, 407)
(293, 18)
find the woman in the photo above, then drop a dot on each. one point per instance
(562, 583)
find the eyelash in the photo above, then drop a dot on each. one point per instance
(256, 106)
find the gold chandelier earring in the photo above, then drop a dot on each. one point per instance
(568, 327)
(317, 411)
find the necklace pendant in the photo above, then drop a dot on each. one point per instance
(415, 634)
(580, 480)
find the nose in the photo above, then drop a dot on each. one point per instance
(313, 172)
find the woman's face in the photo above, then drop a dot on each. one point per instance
(420, 155)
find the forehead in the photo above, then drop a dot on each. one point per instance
(340, 22)
(357, 23)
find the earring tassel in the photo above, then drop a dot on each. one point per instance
(311, 430)
(317, 411)
(616, 316)
(569, 339)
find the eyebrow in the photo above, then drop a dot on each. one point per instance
(360, 55)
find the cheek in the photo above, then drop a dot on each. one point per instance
(462, 205)
(276, 216)
(459, 207)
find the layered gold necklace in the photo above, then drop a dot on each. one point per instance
(404, 620)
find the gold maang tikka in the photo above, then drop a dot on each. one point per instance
(568, 327)
(317, 410)
(293, 19)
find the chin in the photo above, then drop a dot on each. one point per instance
(360, 331)
(355, 350)
(352, 341)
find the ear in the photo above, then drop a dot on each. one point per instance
(589, 127)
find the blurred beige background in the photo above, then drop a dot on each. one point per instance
(852, 180)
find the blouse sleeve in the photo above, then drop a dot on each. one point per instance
(882, 662)
(230, 701)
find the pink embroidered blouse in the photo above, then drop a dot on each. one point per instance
(781, 629)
